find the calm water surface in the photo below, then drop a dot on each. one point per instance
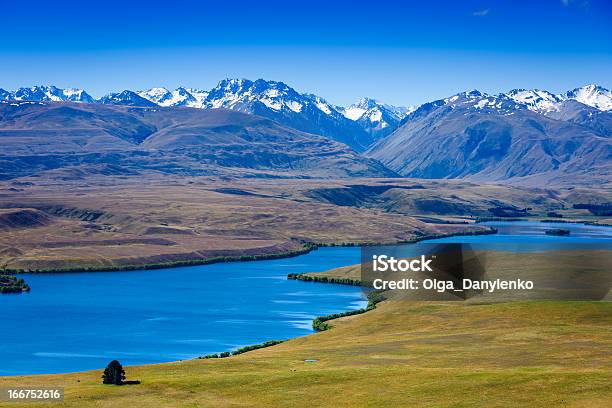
(80, 321)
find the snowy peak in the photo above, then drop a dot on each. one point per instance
(156, 95)
(324, 106)
(77, 95)
(243, 94)
(239, 94)
(51, 93)
(126, 98)
(376, 117)
(179, 97)
(474, 93)
(198, 95)
(182, 97)
(477, 102)
(231, 86)
(545, 102)
(366, 103)
(592, 95)
(357, 110)
(371, 106)
(38, 93)
(535, 99)
(4, 95)
(278, 101)
(460, 98)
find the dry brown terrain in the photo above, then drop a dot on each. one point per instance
(111, 222)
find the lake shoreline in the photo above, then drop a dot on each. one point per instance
(307, 247)
(321, 319)
(482, 220)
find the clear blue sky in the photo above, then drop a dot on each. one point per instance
(398, 52)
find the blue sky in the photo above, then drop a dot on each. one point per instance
(399, 52)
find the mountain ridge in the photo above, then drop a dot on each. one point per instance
(358, 125)
(522, 135)
(495, 138)
(272, 99)
(592, 95)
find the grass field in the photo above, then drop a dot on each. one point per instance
(403, 353)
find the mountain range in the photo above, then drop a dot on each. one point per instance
(528, 136)
(498, 138)
(358, 125)
(543, 101)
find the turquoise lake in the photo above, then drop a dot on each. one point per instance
(80, 321)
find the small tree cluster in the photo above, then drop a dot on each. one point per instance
(242, 350)
(323, 279)
(11, 284)
(113, 373)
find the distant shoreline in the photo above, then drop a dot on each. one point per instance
(480, 220)
(307, 247)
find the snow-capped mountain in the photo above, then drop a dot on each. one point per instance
(76, 95)
(193, 98)
(535, 99)
(4, 95)
(376, 117)
(372, 107)
(199, 95)
(160, 96)
(480, 102)
(497, 138)
(272, 99)
(277, 96)
(470, 102)
(243, 95)
(47, 94)
(278, 101)
(592, 95)
(544, 101)
(358, 125)
(127, 98)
